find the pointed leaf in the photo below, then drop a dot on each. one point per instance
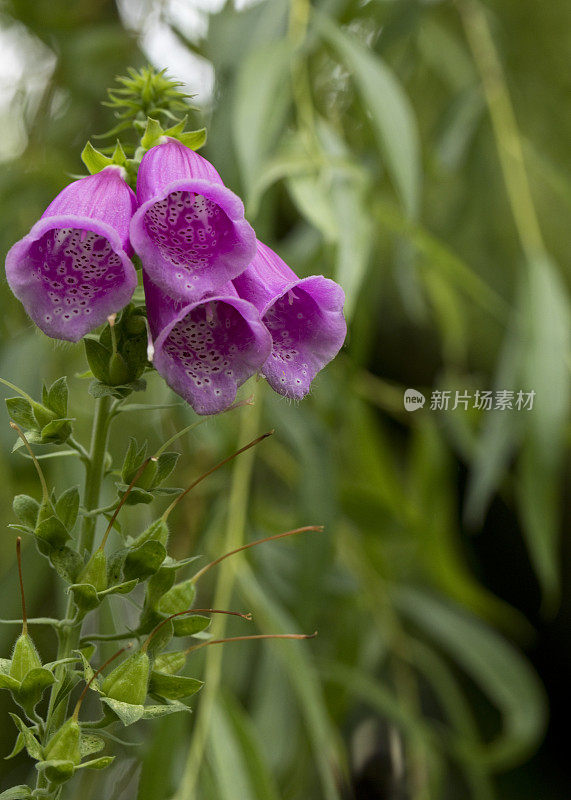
(20, 792)
(57, 397)
(97, 763)
(174, 687)
(126, 712)
(52, 531)
(144, 560)
(391, 113)
(98, 359)
(67, 507)
(93, 159)
(152, 712)
(66, 562)
(20, 410)
(31, 743)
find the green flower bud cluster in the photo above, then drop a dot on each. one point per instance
(117, 357)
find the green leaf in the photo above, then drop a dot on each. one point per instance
(312, 196)
(85, 596)
(57, 397)
(165, 465)
(170, 663)
(66, 562)
(56, 770)
(20, 792)
(93, 159)
(20, 410)
(30, 742)
(189, 626)
(98, 359)
(137, 494)
(8, 682)
(90, 744)
(159, 584)
(263, 94)
(58, 430)
(145, 560)
(97, 763)
(153, 132)
(32, 688)
(500, 671)
(26, 509)
(127, 713)
(546, 319)
(67, 507)
(120, 588)
(99, 389)
(178, 598)
(173, 707)
(52, 531)
(19, 745)
(391, 113)
(174, 687)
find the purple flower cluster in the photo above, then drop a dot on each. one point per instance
(221, 305)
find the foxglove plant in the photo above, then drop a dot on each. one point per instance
(218, 308)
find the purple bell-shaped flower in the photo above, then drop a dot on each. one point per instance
(73, 270)
(190, 230)
(304, 317)
(206, 349)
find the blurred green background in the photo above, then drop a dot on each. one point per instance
(417, 152)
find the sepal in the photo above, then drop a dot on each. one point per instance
(173, 687)
(30, 742)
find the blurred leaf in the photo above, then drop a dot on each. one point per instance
(546, 372)
(502, 674)
(261, 102)
(391, 113)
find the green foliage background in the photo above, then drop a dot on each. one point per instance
(418, 153)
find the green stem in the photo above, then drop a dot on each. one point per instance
(94, 471)
(69, 634)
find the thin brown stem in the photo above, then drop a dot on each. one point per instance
(95, 674)
(293, 532)
(41, 476)
(249, 638)
(138, 474)
(224, 461)
(147, 641)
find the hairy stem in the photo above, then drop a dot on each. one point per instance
(69, 633)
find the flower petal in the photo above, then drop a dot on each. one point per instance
(304, 317)
(207, 349)
(190, 230)
(73, 270)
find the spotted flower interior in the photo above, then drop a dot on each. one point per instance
(189, 231)
(210, 352)
(296, 325)
(74, 269)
